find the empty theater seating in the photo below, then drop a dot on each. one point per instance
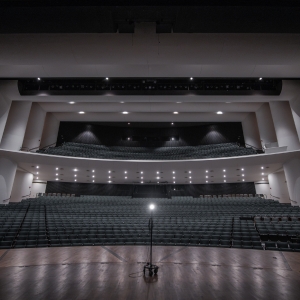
(146, 153)
(237, 222)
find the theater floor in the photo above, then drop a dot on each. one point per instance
(114, 272)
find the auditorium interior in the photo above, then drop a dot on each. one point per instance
(149, 150)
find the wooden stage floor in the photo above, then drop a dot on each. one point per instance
(114, 272)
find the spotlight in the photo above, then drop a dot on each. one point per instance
(106, 78)
(175, 112)
(151, 206)
(125, 112)
(37, 167)
(191, 78)
(260, 78)
(219, 113)
(81, 112)
(56, 169)
(72, 102)
(39, 78)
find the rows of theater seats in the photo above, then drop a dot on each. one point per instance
(143, 153)
(53, 221)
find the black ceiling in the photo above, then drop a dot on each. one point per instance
(190, 16)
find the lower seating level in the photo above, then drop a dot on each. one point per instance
(237, 222)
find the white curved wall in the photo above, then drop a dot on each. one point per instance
(265, 124)
(278, 187)
(34, 130)
(292, 173)
(250, 129)
(16, 125)
(22, 186)
(7, 174)
(284, 125)
(5, 104)
(50, 130)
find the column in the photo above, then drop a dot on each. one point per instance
(16, 125)
(50, 130)
(278, 187)
(7, 174)
(265, 124)
(22, 186)
(4, 110)
(34, 130)
(250, 130)
(284, 125)
(292, 173)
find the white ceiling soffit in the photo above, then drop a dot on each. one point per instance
(290, 89)
(150, 55)
(233, 165)
(150, 117)
(151, 107)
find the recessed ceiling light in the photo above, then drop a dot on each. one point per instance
(157, 172)
(242, 169)
(206, 171)
(56, 174)
(93, 170)
(109, 171)
(262, 167)
(142, 177)
(157, 177)
(93, 176)
(142, 172)
(175, 112)
(172, 123)
(72, 102)
(39, 78)
(173, 172)
(206, 176)
(219, 112)
(174, 178)
(122, 102)
(178, 102)
(74, 175)
(125, 112)
(191, 78)
(260, 78)
(75, 170)
(128, 123)
(190, 182)
(262, 173)
(224, 175)
(224, 180)
(190, 172)
(125, 177)
(173, 181)
(224, 170)
(109, 181)
(37, 167)
(190, 177)
(93, 180)
(81, 112)
(56, 178)
(243, 179)
(142, 181)
(37, 178)
(263, 179)
(106, 78)
(75, 179)
(125, 172)
(243, 175)
(56, 169)
(109, 176)
(206, 181)
(37, 172)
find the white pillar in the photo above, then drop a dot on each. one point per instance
(21, 187)
(50, 130)
(7, 174)
(295, 106)
(265, 124)
(284, 125)
(263, 188)
(34, 130)
(292, 173)
(4, 110)
(16, 125)
(278, 187)
(38, 187)
(250, 130)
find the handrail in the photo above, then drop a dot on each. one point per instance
(25, 196)
(254, 147)
(6, 199)
(43, 147)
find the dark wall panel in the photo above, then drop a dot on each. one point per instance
(150, 134)
(146, 191)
